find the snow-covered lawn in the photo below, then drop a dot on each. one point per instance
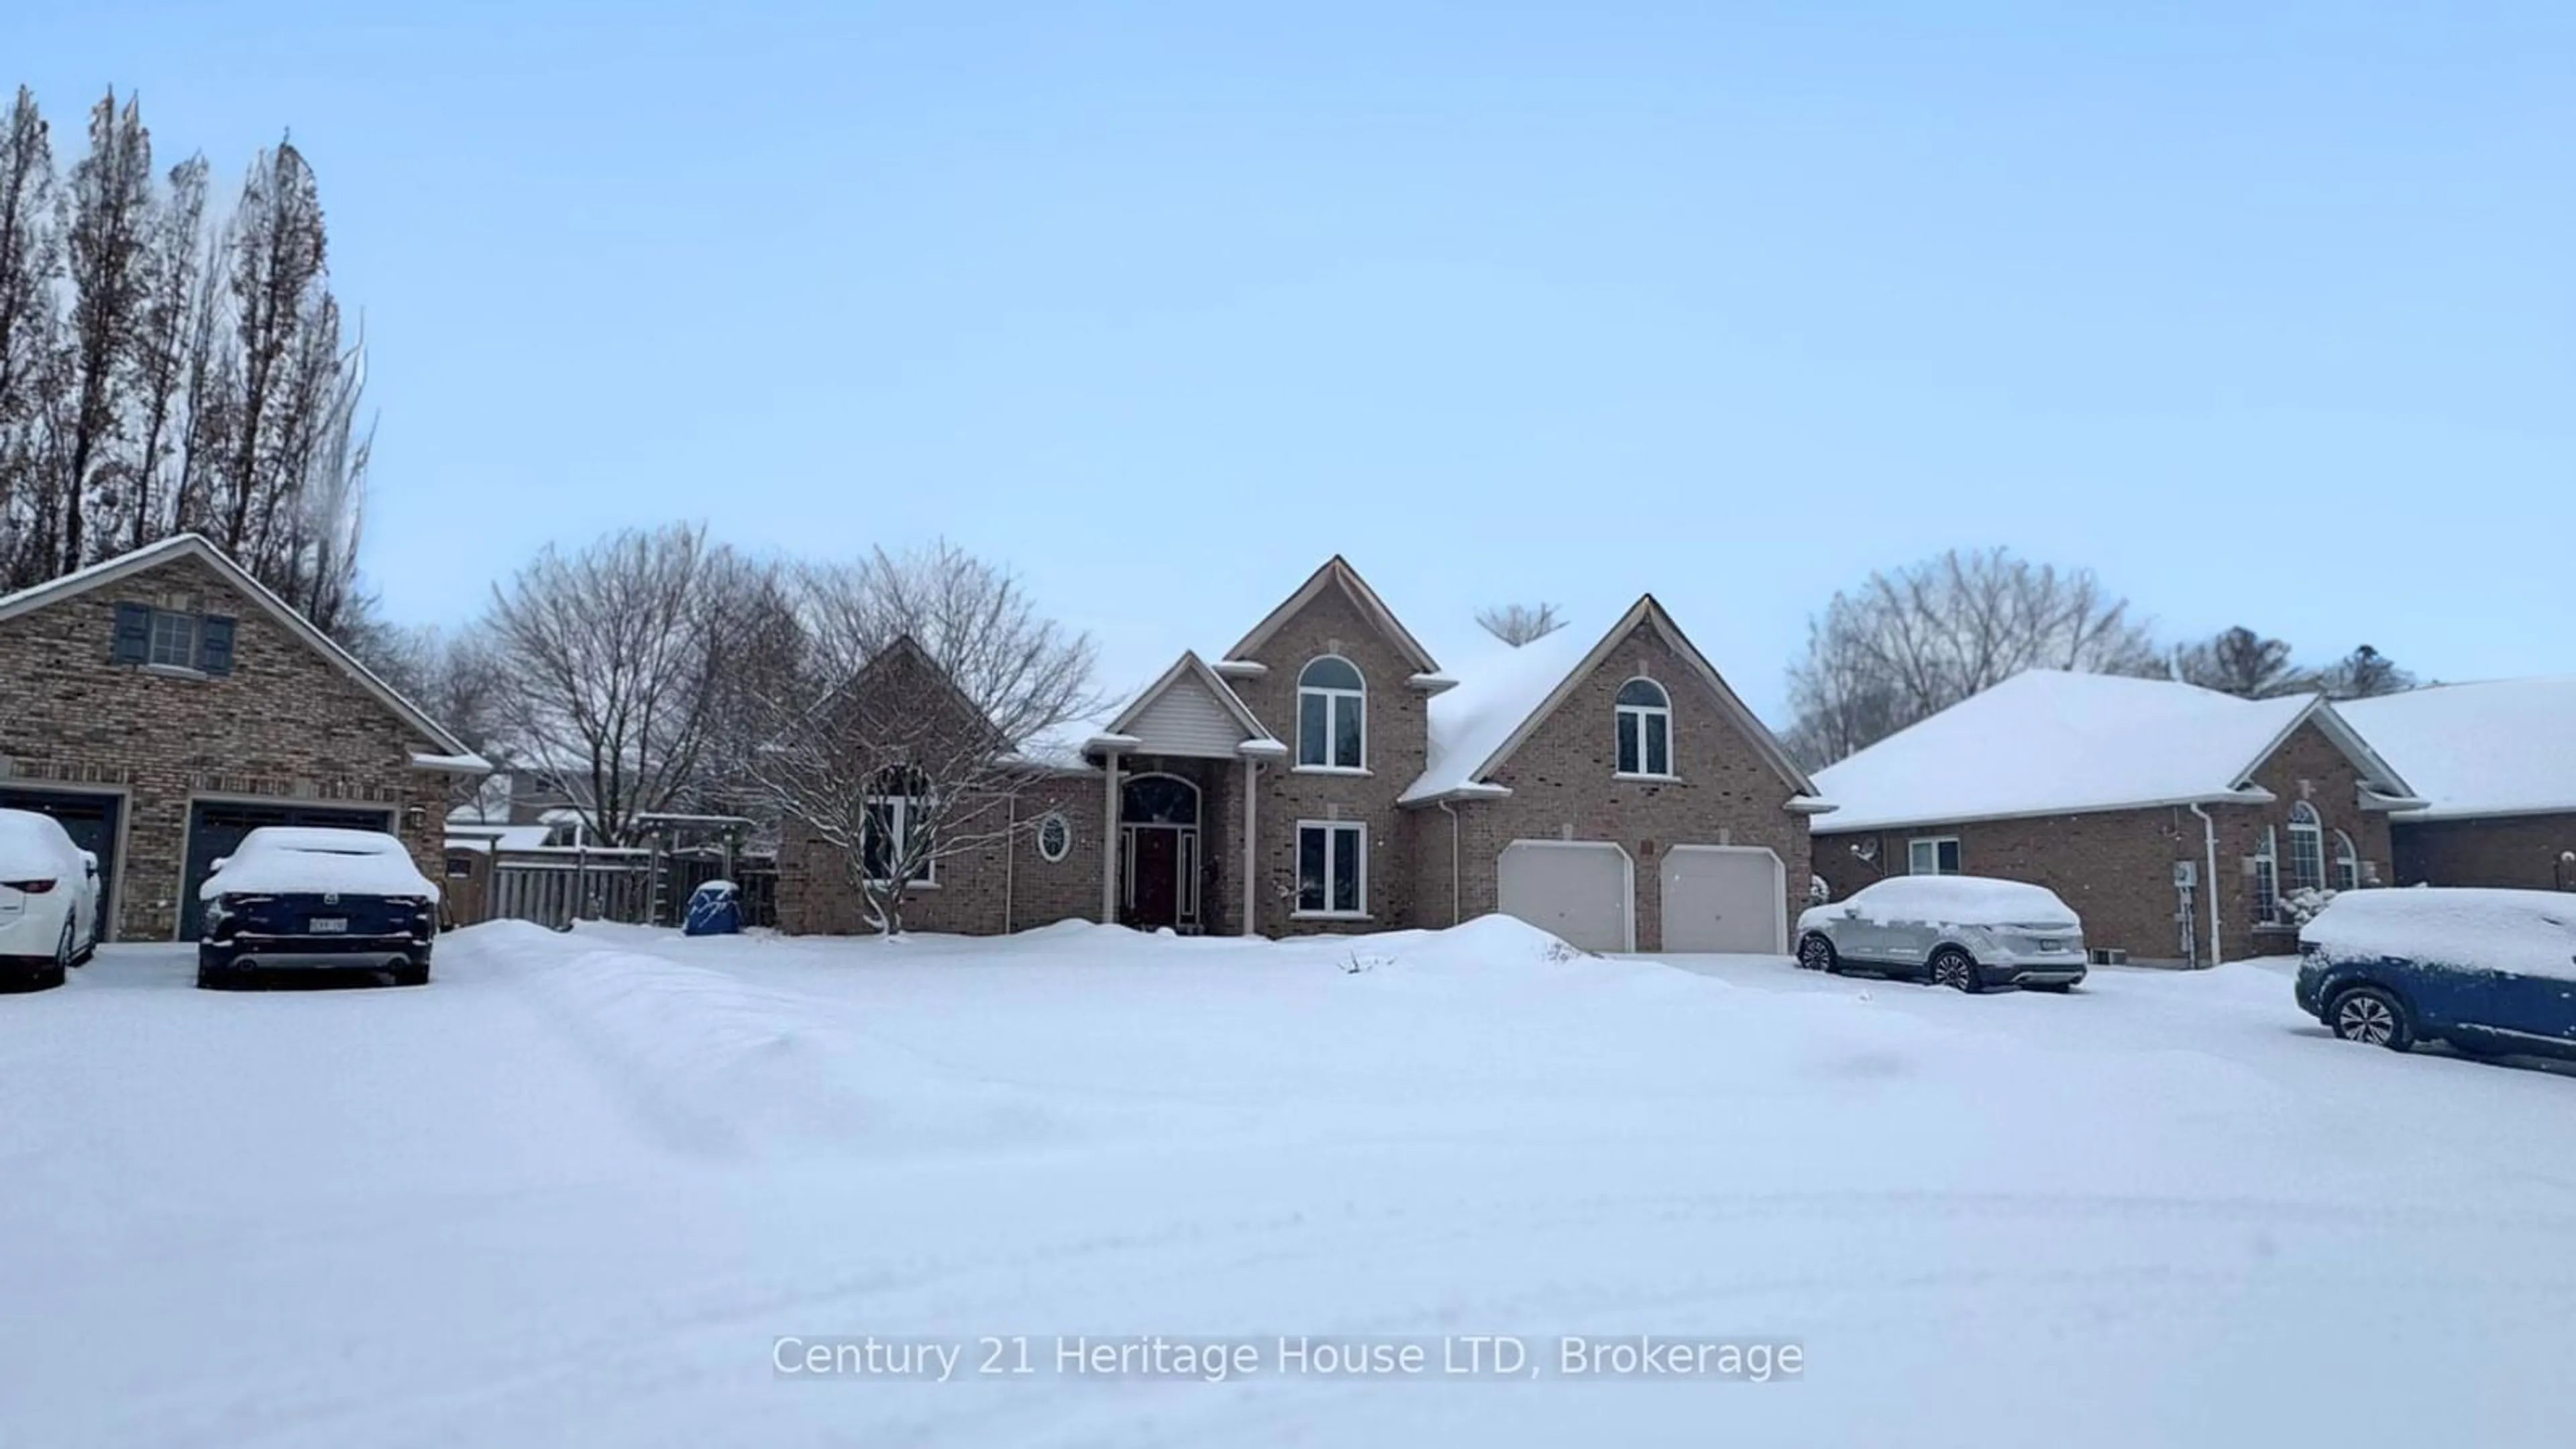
(575, 1191)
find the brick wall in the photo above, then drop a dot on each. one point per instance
(2307, 766)
(287, 724)
(1561, 781)
(2115, 867)
(998, 885)
(2520, 852)
(1399, 737)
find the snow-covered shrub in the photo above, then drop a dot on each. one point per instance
(1819, 891)
(2301, 906)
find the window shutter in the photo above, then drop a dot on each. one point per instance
(215, 646)
(133, 634)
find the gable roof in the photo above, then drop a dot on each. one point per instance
(2501, 747)
(1189, 668)
(2050, 742)
(453, 756)
(1337, 573)
(1476, 726)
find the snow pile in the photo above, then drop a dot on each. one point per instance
(1952, 900)
(2046, 741)
(2495, 748)
(2530, 933)
(302, 860)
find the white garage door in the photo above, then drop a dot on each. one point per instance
(1580, 890)
(1724, 898)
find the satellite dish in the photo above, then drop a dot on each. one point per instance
(1866, 847)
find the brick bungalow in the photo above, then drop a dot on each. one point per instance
(162, 704)
(2173, 819)
(1325, 774)
(2496, 765)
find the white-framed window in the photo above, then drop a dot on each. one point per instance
(174, 639)
(2307, 848)
(1932, 855)
(897, 830)
(2267, 878)
(1332, 715)
(2347, 864)
(1643, 718)
(1332, 868)
(1054, 837)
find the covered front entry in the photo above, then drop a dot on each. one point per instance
(90, 819)
(216, 826)
(1159, 853)
(1724, 898)
(1581, 891)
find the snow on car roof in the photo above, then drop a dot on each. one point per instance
(2047, 742)
(2493, 748)
(321, 838)
(1961, 900)
(294, 859)
(2531, 932)
(30, 844)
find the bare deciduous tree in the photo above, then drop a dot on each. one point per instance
(108, 214)
(1906, 645)
(610, 663)
(899, 736)
(1518, 624)
(2243, 663)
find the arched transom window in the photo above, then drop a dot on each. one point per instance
(1332, 715)
(1644, 719)
(2307, 848)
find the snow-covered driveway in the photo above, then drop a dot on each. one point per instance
(575, 1191)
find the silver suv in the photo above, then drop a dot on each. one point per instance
(1962, 931)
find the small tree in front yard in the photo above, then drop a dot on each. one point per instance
(896, 733)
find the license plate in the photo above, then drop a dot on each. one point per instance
(328, 925)
(2050, 945)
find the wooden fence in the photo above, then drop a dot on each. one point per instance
(557, 885)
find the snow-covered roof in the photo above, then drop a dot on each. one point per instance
(2503, 747)
(451, 754)
(507, 837)
(2048, 742)
(1506, 692)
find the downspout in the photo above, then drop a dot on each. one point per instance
(2209, 883)
(1452, 812)
(1010, 856)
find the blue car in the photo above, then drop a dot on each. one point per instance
(2491, 972)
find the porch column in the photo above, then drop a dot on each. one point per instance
(1251, 794)
(1109, 842)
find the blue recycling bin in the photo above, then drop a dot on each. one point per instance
(715, 909)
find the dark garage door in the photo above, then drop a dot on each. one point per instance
(90, 820)
(215, 827)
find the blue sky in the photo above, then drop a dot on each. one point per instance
(2267, 317)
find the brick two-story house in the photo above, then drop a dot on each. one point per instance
(162, 704)
(2174, 819)
(1325, 774)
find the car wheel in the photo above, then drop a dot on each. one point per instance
(1955, 968)
(2373, 1017)
(1817, 954)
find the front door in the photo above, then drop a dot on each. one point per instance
(1154, 879)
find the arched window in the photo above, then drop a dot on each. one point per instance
(2347, 864)
(1644, 718)
(896, 842)
(1158, 800)
(2267, 878)
(2307, 848)
(1332, 715)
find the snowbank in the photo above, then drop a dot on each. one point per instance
(2532, 933)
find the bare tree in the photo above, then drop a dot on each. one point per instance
(1519, 624)
(1909, 644)
(160, 350)
(609, 662)
(2365, 673)
(2243, 663)
(107, 219)
(899, 737)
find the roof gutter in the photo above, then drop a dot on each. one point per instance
(2250, 795)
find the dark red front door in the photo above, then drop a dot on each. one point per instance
(1155, 879)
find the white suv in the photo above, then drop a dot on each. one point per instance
(48, 899)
